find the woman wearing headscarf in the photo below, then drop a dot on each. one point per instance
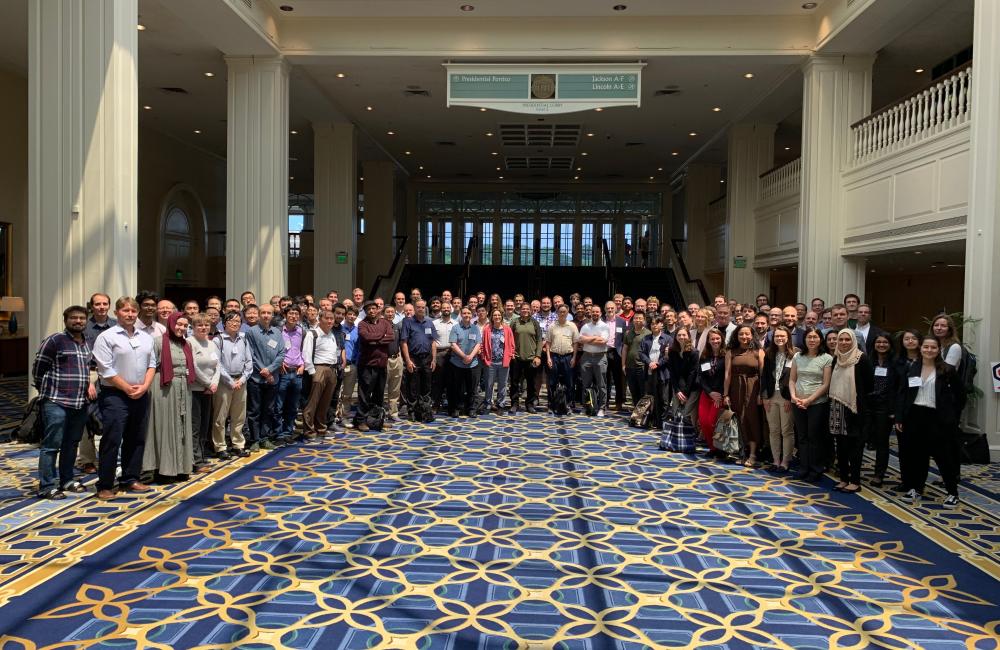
(169, 449)
(850, 384)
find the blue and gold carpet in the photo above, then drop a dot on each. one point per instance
(518, 532)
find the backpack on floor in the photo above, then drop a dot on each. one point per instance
(375, 420)
(557, 402)
(678, 435)
(642, 412)
(590, 401)
(31, 427)
(423, 410)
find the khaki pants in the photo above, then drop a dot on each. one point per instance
(394, 371)
(347, 386)
(780, 423)
(324, 382)
(231, 404)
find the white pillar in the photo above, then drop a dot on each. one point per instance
(376, 248)
(751, 153)
(83, 100)
(982, 243)
(837, 93)
(257, 177)
(336, 204)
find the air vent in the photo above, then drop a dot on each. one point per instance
(445, 143)
(540, 135)
(539, 162)
(417, 92)
(174, 90)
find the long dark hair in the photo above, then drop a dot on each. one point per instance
(822, 341)
(890, 356)
(734, 339)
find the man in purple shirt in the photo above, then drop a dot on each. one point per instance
(286, 400)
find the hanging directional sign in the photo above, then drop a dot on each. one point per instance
(541, 89)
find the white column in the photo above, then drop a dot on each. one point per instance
(336, 206)
(837, 93)
(83, 99)
(751, 153)
(376, 247)
(982, 243)
(257, 177)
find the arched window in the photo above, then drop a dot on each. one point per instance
(177, 234)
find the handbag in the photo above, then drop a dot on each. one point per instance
(678, 435)
(727, 433)
(641, 413)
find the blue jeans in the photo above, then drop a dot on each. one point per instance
(496, 374)
(261, 421)
(63, 428)
(561, 373)
(286, 402)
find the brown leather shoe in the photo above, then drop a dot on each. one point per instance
(89, 468)
(138, 487)
(105, 495)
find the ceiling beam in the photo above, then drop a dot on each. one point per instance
(229, 25)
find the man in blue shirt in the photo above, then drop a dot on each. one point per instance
(466, 340)
(267, 346)
(61, 374)
(349, 376)
(418, 345)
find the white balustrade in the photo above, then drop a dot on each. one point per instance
(717, 211)
(942, 106)
(780, 182)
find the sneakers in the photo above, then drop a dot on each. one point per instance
(222, 455)
(951, 501)
(914, 497)
(600, 413)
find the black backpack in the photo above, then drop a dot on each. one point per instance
(423, 410)
(375, 420)
(590, 401)
(30, 429)
(557, 403)
(967, 369)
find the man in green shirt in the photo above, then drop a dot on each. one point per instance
(527, 358)
(635, 370)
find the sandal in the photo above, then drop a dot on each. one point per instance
(76, 487)
(55, 494)
(750, 462)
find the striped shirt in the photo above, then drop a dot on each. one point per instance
(62, 369)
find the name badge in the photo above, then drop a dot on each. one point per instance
(288, 345)
(618, 329)
(272, 344)
(427, 331)
(705, 367)
(881, 372)
(472, 337)
(788, 364)
(915, 382)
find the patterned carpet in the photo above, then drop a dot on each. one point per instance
(517, 532)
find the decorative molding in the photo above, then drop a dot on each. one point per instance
(789, 252)
(909, 230)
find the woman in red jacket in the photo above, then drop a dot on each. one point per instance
(498, 349)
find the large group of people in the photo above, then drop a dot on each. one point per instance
(148, 393)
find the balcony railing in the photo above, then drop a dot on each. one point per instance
(781, 181)
(943, 105)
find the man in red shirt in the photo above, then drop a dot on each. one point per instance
(375, 335)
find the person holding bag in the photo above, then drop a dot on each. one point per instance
(850, 385)
(744, 361)
(711, 382)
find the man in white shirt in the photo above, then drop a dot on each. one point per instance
(723, 314)
(323, 355)
(146, 322)
(594, 361)
(442, 330)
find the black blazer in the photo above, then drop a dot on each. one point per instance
(683, 369)
(712, 380)
(892, 383)
(767, 386)
(949, 397)
(864, 379)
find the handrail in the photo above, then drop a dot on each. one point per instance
(714, 201)
(676, 243)
(777, 167)
(463, 280)
(377, 285)
(609, 275)
(905, 98)
(781, 181)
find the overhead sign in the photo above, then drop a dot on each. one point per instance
(541, 89)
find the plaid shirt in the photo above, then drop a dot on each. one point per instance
(62, 369)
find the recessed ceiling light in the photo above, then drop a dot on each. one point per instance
(287, 8)
(390, 133)
(584, 154)
(291, 178)
(341, 75)
(576, 178)
(362, 178)
(467, 8)
(498, 169)
(918, 252)
(620, 7)
(748, 75)
(147, 108)
(590, 135)
(209, 74)
(919, 70)
(369, 108)
(659, 169)
(421, 167)
(489, 134)
(808, 5)
(674, 153)
(579, 169)
(650, 178)
(788, 148)
(294, 132)
(407, 153)
(723, 180)
(501, 178)
(197, 131)
(693, 133)
(716, 109)
(598, 109)
(428, 175)
(141, 27)
(482, 110)
(493, 153)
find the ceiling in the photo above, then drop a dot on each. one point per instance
(922, 259)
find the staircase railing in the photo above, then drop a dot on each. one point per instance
(702, 291)
(391, 278)
(463, 280)
(609, 274)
